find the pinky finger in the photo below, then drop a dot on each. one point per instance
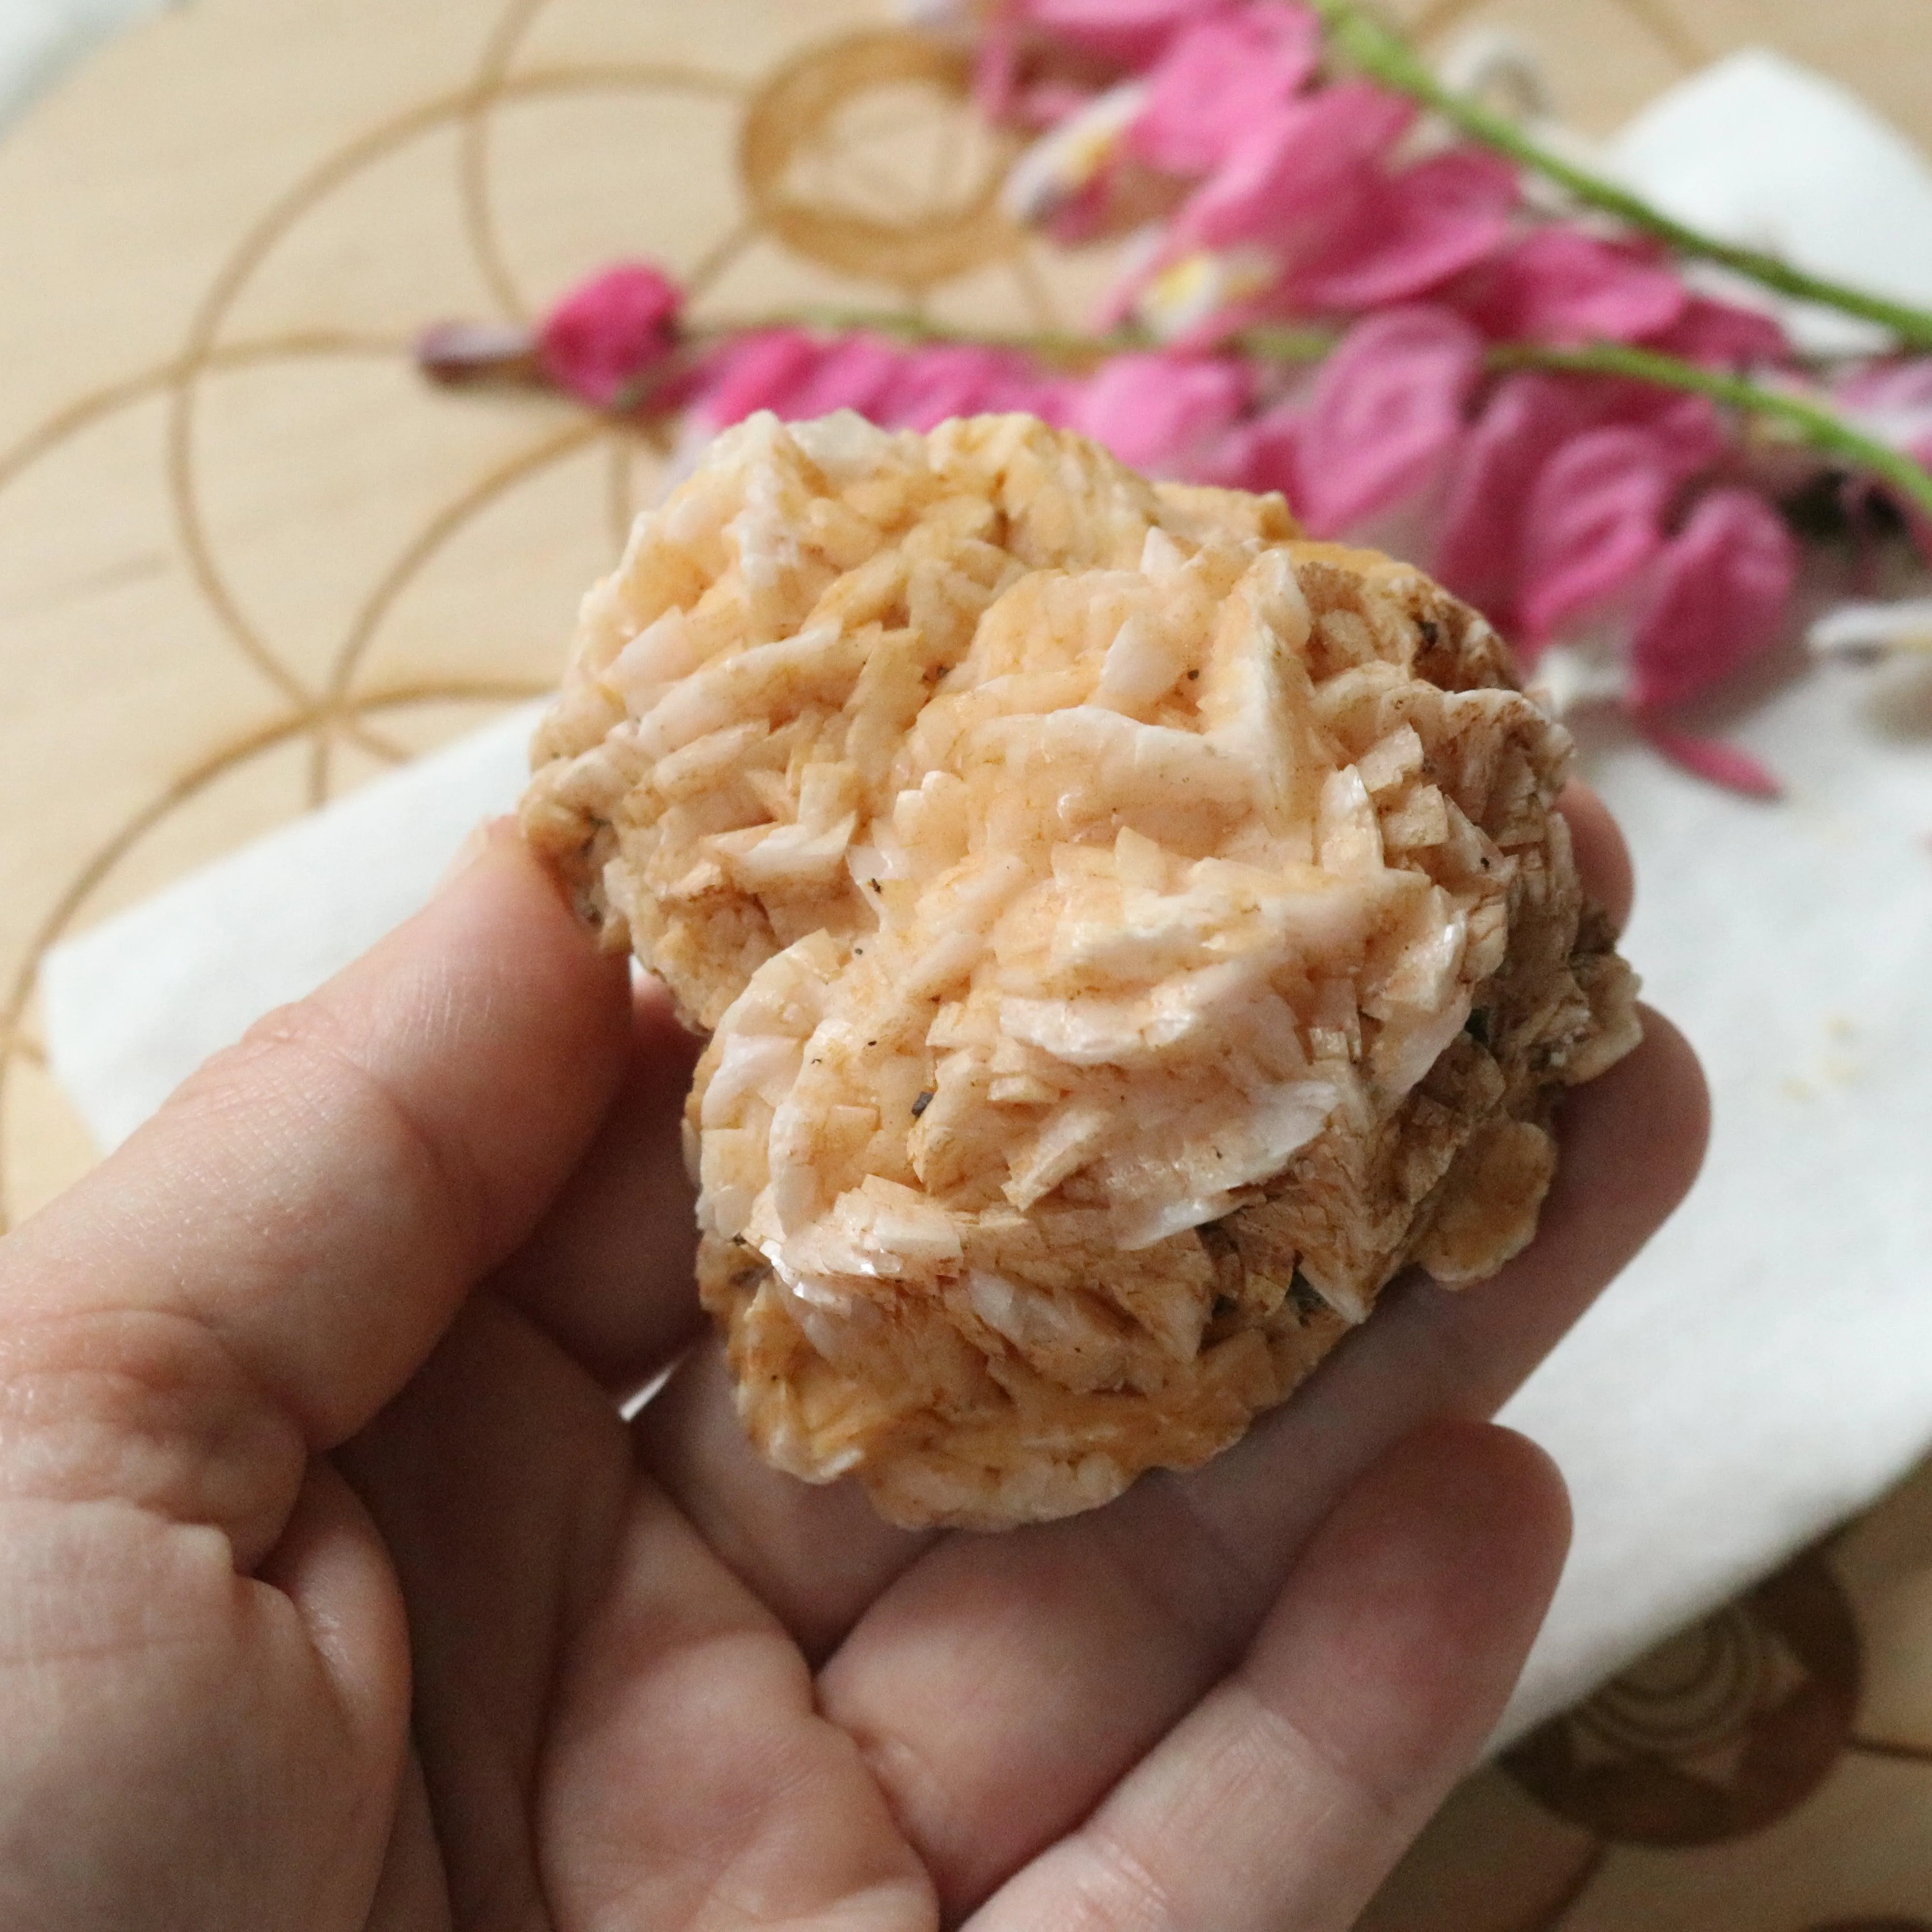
(1285, 1796)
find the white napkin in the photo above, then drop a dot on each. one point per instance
(1763, 152)
(1761, 1371)
(136, 1004)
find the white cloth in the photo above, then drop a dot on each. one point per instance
(1764, 1369)
(1765, 153)
(134, 1005)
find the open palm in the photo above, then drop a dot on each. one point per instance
(335, 1592)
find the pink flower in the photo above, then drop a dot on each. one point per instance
(1135, 32)
(1218, 78)
(1594, 521)
(1410, 231)
(1721, 335)
(610, 333)
(762, 371)
(1724, 590)
(996, 61)
(1526, 422)
(1162, 412)
(1065, 179)
(1388, 408)
(1893, 400)
(1293, 182)
(854, 372)
(1259, 453)
(1560, 285)
(1729, 766)
(954, 378)
(1689, 431)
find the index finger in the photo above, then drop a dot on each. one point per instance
(260, 1268)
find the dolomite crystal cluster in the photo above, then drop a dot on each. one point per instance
(1128, 934)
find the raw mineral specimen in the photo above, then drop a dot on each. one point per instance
(1128, 935)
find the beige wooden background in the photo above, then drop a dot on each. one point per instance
(247, 558)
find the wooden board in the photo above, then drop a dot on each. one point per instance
(247, 558)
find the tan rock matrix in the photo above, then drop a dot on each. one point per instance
(1128, 935)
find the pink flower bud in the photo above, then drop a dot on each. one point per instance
(1261, 454)
(1724, 590)
(1689, 431)
(1387, 409)
(610, 333)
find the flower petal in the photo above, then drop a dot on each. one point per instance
(1388, 408)
(1257, 453)
(855, 372)
(1688, 429)
(1222, 76)
(1721, 335)
(1561, 285)
(1133, 31)
(958, 379)
(1526, 421)
(1293, 182)
(1163, 413)
(1730, 766)
(1724, 594)
(1072, 158)
(1413, 231)
(610, 331)
(1594, 521)
(760, 371)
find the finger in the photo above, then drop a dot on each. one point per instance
(330, 1565)
(1001, 1684)
(610, 1270)
(497, 1478)
(814, 1555)
(688, 1777)
(263, 1265)
(412, 1894)
(1284, 1798)
(186, 1747)
(1602, 859)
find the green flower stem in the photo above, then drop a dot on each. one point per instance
(1809, 422)
(1385, 56)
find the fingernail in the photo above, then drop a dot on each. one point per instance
(476, 842)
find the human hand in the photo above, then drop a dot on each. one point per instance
(335, 1593)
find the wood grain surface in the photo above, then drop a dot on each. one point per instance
(247, 558)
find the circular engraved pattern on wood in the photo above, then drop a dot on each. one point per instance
(1717, 1733)
(914, 223)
